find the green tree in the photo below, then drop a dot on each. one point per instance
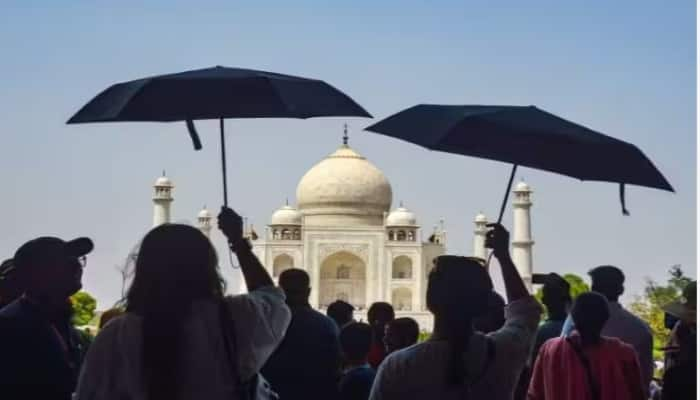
(649, 306)
(84, 306)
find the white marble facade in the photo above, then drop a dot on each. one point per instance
(344, 235)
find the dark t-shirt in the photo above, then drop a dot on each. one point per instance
(680, 382)
(550, 329)
(356, 383)
(35, 361)
(306, 364)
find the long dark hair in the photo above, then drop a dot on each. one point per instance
(458, 290)
(176, 265)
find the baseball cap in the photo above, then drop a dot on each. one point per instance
(47, 249)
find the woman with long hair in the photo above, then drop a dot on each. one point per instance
(458, 362)
(173, 342)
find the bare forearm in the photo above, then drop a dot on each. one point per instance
(254, 273)
(515, 287)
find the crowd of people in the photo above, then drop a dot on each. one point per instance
(180, 337)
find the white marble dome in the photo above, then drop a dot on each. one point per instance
(401, 217)
(163, 181)
(480, 217)
(522, 187)
(344, 187)
(287, 215)
(204, 214)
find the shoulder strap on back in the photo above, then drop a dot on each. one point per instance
(592, 385)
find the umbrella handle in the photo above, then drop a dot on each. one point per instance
(193, 135)
(503, 205)
(223, 159)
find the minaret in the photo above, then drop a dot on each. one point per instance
(522, 236)
(480, 236)
(161, 200)
(204, 221)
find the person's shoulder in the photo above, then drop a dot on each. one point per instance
(619, 347)
(634, 319)
(14, 310)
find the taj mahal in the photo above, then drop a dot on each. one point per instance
(354, 246)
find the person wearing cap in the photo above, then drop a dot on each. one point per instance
(556, 297)
(680, 376)
(10, 287)
(41, 352)
(622, 324)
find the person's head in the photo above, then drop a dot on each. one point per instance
(296, 285)
(458, 292)
(401, 333)
(10, 285)
(176, 266)
(590, 313)
(340, 312)
(556, 296)
(51, 269)
(608, 281)
(109, 315)
(355, 342)
(378, 315)
(495, 316)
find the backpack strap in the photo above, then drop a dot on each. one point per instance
(592, 385)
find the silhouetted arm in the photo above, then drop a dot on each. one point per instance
(498, 239)
(255, 275)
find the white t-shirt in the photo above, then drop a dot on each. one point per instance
(420, 371)
(113, 367)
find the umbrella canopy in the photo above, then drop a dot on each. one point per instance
(217, 93)
(524, 136)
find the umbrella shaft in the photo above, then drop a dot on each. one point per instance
(223, 159)
(503, 205)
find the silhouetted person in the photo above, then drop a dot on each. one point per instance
(340, 312)
(306, 365)
(680, 376)
(587, 365)
(495, 316)
(556, 297)
(378, 315)
(358, 375)
(175, 339)
(401, 333)
(40, 351)
(622, 324)
(457, 362)
(10, 287)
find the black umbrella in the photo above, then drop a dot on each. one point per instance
(524, 136)
(217, 93)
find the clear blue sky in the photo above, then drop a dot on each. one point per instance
(625, 68)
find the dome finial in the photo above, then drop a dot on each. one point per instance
(163, 173)
(345, 134)
(401, 203)
(286, 201)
